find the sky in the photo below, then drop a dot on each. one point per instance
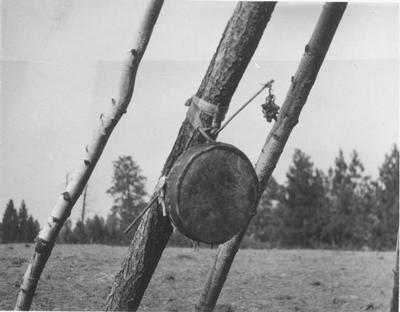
(60, 67)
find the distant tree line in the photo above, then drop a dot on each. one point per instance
(342, 208)
(18, 226)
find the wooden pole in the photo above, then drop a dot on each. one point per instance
(302, 83)
(394, 302)
(239, 41)
(75, 186)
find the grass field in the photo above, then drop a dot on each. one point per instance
(79, 277)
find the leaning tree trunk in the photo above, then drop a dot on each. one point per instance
(74, 188)
(239, 41)
(394, 302)
(302, 82)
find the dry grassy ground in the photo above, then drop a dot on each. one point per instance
(78, 277)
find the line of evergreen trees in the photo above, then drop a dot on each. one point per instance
(343, 208)
(17, 226)
(93, 231)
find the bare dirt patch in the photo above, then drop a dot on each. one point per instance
(79, 277)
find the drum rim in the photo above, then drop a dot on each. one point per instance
(200, 150)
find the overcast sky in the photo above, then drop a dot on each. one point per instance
(60, 66)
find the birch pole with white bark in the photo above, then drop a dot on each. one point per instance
(62, 209)
(299, 90)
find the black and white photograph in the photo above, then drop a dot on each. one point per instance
(199, 155)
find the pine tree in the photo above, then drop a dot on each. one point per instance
(350, 203)
(79, 233)
(364, 197)
(387, 202)
(267, 223)
(95, 229)
(1, 232)
(128, 192)
(113, 232)
(303, 203)
(22, 223)
(30, 230)
(10, 224)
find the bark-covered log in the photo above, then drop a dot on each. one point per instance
(394, 302)
(239, 41)
(302, 83)
(75, 186)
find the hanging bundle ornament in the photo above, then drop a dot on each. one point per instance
(269, 108)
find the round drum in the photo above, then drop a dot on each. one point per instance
(211, 192)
